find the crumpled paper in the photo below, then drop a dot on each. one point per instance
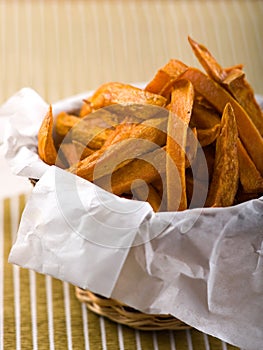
(204, 266)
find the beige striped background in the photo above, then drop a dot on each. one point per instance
(61, 48)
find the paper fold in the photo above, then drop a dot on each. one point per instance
(204, 266)
(65, 238)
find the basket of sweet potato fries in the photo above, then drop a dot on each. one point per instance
(123, 133)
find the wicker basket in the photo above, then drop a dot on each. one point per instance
(124, 314)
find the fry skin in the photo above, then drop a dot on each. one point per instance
(64, 122)
(191, 147)
(232, 79)
(165, 77)
(113, 92)
(209, 63)
(204, 117)
(152, 196)
(148, 168)
(250, 178)
(241, 90)
(218, 97)
(140, 139)
(46, 147)
(179, 118)
(208, 136)
(224, 182)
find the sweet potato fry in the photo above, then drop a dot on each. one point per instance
(94, 129)
(154, 199)
(115, 157)
(224, 183)
(239, 66)
(81, 150)
(64, 122)
(164, 76)
(69, 153)
(208, 136)
(191, 146)
(140, 139)
(158, 185)
(212, 67)
(204, 117)
(122, 132)
(88, 163)
(92, 137)
(158, 82)
(148, 168)
(218, 97)
(181, 106)
(85, 109)
(203, 164)
(209, 152)
(107, 117)
(193, 187)
(242, 91)
(150, 196)
(111, 93)
(233, 79)
(250, 178)
(46, 147)
(135, 113)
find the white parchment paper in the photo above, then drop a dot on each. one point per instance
(204, 266)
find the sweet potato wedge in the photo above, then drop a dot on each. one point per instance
(181, 107)
(204, 117)
(233, 79)
(81, 150)
(242, 91)
(206, 59)
(150, 195)
(64, 122)
(92, 137)
(219, 97)
(46, 148)
(191, 147)
(164, 76)
(119, 93)
(250, 178)
(134, 141)
(208, 136)
(68, 152)
(225, 178)
(147, 168)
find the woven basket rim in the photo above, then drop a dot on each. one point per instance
(124, 314)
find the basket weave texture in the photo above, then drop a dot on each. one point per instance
(124, 314)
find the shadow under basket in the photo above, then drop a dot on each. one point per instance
(126, 315)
